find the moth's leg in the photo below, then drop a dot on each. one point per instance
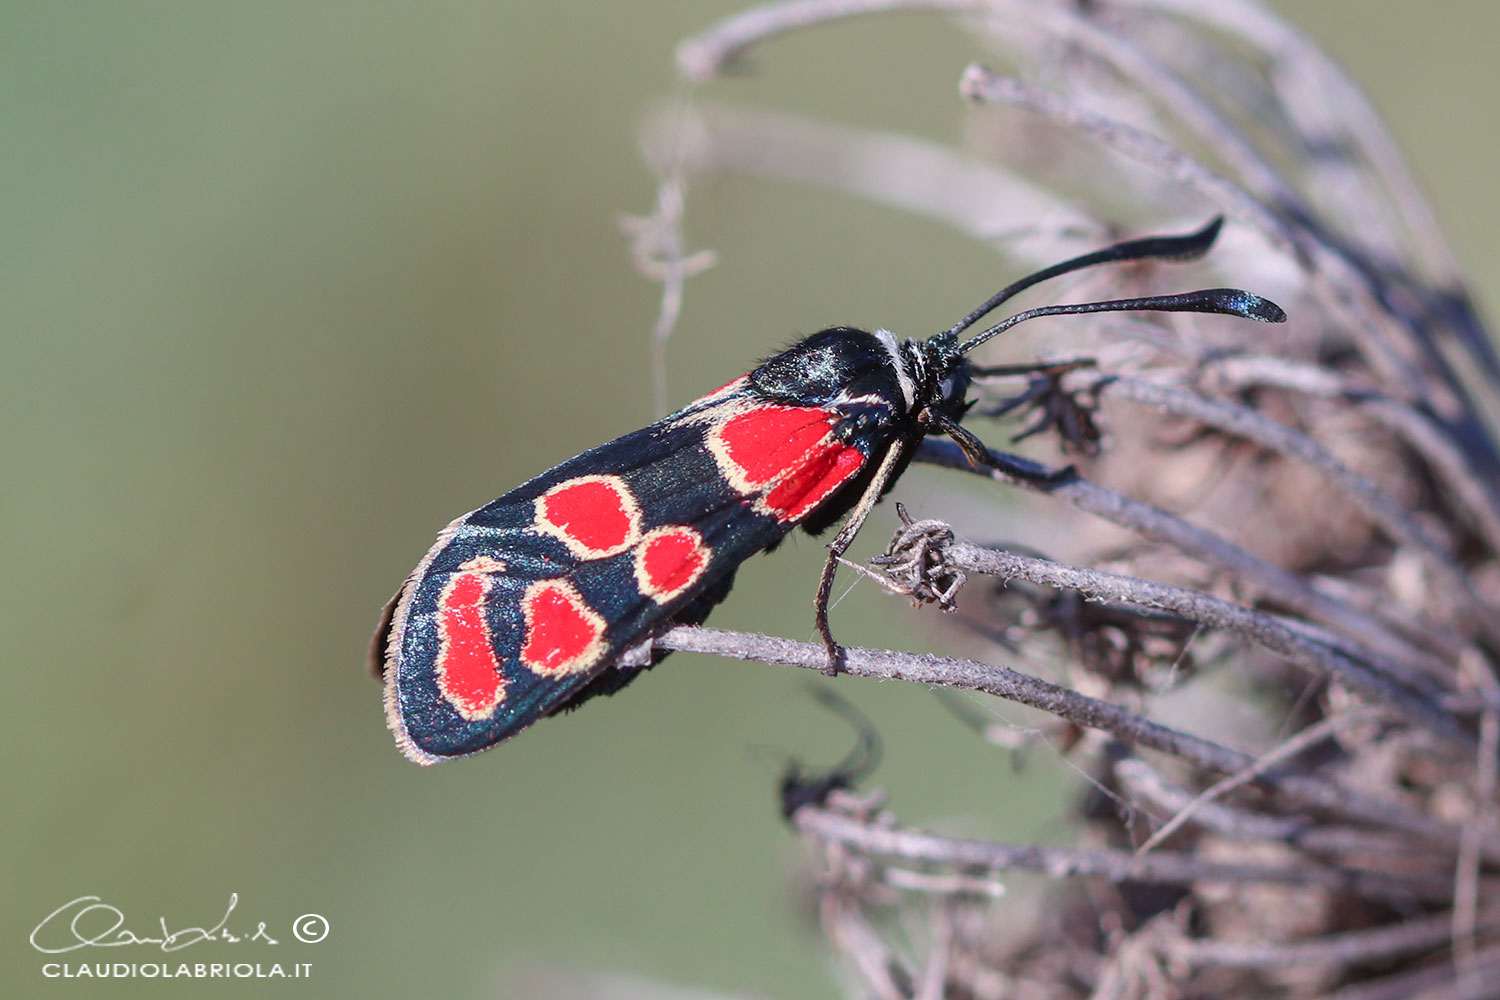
(840, 544)
(979, 454)
(1033, 368)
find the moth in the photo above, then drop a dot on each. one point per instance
(550, 594)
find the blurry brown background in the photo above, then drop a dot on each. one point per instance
(286, 286)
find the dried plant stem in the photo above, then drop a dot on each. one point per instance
(1387, 788)
(708, 53)
(1390, 653)
(1148, 784)
(1434, 982)
(1479, 493)
(1400, 526)
(1145, 74)
(1300, 62)
(658, 253)
(852, 936)
(1452, 466)
(973, 197)
(1115, 866)
(1340, 291)
(1311, 736)
(963, 885)
(1409, 936)
(1480, 824)
(1268, 631)
(935, 970)
(1304, 790)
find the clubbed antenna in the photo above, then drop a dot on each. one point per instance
(1189, 246)
(1222, 301)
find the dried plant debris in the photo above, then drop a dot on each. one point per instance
(1311, 509)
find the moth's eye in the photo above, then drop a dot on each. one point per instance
(955, 386)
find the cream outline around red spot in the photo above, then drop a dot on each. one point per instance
(628, 506)
(643, 581)
(733, 471)
(578, 663)
(759, 491)
(484, 565)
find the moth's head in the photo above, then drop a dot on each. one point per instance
(946, 373)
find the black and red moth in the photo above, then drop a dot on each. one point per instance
(548, 595)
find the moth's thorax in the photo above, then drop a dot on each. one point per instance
(837, 366)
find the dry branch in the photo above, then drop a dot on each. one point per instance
(1319, 510)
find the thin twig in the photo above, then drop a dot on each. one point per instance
(1154, 524)
(1012, 685)
(942, 885)
(1406, 937)
(708, 53)
(1418, 430)
(939, 952)
(1347, 288)
(1312, 735)
(1479, 824)
(925, 178)
(1113, 865)
(657, 252)
(1300, 831)
(1479, 495)
(1434, 982)
(1399, 525)
(1145, 74)
(853, 937)
(1297, 58)
(1266, 630)
(1146, 782)
(1337, 287)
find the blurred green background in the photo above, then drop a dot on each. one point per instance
(287, 286)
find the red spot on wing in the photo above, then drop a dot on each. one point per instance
(670, 560)
(467, 667)
(770, 440)
(825, 470)
(596, 516)
(563, 634)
